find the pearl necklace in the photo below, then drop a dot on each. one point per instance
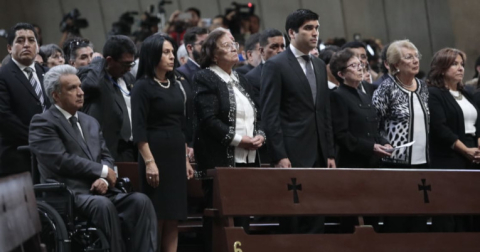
(401, 83)
(161, 84)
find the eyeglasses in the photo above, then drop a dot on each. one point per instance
(410, 57)
(356, 65)
(127, 64)
(230, 45)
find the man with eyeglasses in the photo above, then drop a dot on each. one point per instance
(252, 54)
(106, 83)
(22, 95)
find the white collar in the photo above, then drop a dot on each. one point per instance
(193, 61)
(222, 74)
(331, 85)
(22, 67)
(297, 53)
(65, 113)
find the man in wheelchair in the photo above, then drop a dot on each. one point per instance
(70, 149)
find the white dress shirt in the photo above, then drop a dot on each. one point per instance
(67, 116)
(469, 113)
(245, 118)
(34, 74)
(298, 54)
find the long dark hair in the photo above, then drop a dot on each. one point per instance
(441, 62)
(151, 54)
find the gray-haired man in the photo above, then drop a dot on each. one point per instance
(70, 149)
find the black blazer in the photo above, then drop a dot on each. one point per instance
(254, 79)
(102, 103)
(189, 107)
(446, 126)
(188, 70)
(244, 69)
(18, 104)
(355, 127)
(295, 126)
(62, 157)
(215, 120)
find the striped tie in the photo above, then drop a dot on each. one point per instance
(35, 85)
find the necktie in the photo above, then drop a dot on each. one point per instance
(35, 85)
(310, 76)
(73, 121)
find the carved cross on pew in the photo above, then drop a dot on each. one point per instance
(425, 188)
(295, 187)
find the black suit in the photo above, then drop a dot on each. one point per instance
(296, 127)
(188, 70)
(18, 104)
(64, 157)
(104, 101)
(355, 126)
(254, 80)
(446, 126)
(244, 69)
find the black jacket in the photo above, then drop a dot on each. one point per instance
(18, 104)
(296, 127)
(215, 120)
(447, 125)
(102, 102)
(355, 126)
(254, 80)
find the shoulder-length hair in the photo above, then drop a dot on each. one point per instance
(151, 54)
(209, 46)
(441, 62)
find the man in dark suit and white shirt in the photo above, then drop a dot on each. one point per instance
(107, 83)
(193, 39)
(70, 149)
(21, 96)
(296, 107)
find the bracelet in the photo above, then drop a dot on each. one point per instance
(149, 161)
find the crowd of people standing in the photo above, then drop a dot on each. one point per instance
(288, 106)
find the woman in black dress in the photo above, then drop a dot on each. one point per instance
(158, 107)
(355, 123)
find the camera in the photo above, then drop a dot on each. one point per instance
(71, 23)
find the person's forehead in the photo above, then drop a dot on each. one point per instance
(24, 33)
(276, 39)
(359, 50)
(311, 22)
(69, 79)
(127, 56)
(201, 37)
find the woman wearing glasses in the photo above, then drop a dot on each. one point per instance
(158, 107)
(402, 106)
(227, 131)
(53, 55)
(355, 122)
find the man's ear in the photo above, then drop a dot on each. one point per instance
(291, 34)
(189, 48)
(9, 49)
(262, 51)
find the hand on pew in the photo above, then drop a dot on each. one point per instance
(283, 163)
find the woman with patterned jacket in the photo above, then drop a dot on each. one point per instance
(402, 105)
(226, 130)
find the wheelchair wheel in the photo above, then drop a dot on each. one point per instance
(54, 233)
(90, 239)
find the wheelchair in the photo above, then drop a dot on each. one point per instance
(64, 230)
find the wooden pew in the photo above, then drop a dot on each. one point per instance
(19, 219)
(342, 192)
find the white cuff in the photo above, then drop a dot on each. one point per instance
(104, 172)
(236, 140)
(106, 182)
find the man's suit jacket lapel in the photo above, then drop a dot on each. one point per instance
(118, 98)
(302, 78)
(322, 88)
(17, 72)
(86, 134)
(68, 127)
(41, 74)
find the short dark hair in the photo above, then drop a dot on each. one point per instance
(117, 45)
(268, 33)
(383, 56)
(208, 48)
(151, 54)
(354, 44)
(477, 63)
(251, 42)
(339, 61)
(19, 26)
(191, 34)
(197, 11)
(71, 45)
(297, 18)
(50, 49)
(327, 53)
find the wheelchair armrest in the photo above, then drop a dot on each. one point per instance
(124, 184)
(56, 188)
(24, 148)
(50, 187)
